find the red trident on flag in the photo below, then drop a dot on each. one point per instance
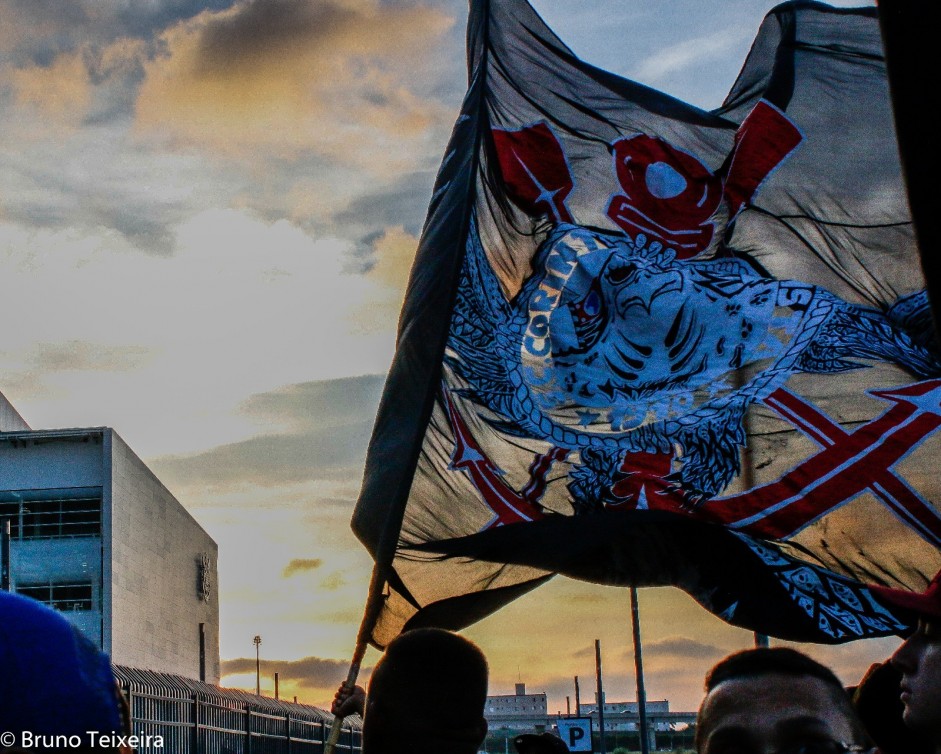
(666, 193)
(848, 464)
(508, 505)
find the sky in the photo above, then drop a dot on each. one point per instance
(208, 213)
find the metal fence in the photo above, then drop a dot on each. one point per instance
(197, 718)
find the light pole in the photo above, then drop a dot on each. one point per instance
(257, 641)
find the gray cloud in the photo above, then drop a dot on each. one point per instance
(56, 27)
(261, 25)
(318, 404)
(272, 460)
(329, 425)
(83, 356)
(301, 565)
(99, 180)
(402, 203)
(70, 356)
(680, 648)
(363, 258)
(310, 672)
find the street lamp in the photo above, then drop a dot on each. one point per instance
(257, 641)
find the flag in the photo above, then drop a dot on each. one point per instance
(646, 344)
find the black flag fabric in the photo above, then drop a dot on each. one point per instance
(646, 344)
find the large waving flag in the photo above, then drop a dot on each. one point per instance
(647, 344)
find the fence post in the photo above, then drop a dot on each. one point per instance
(248, 729)
(194, 745)
(129, 697)
(287, 730)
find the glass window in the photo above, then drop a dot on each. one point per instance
(53, 517)
(70, 596)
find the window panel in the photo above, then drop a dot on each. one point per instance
(67, 597)
(54, 517)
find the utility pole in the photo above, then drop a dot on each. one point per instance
(257, 642)
(639, 671)
(578, 702)
(600, 693)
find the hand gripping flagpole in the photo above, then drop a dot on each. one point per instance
(370, 616)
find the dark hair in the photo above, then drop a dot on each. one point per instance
(754, 663)
(429, 686)
(767, 660)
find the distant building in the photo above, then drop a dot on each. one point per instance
(624, 716)
(517, 712)
(97, 536)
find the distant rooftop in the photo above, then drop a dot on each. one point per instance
(10, 419)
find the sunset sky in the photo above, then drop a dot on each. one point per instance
(208, 211)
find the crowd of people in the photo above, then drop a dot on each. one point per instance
(759, 701)
(427, 693)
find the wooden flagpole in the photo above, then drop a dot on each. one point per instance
(370, 616)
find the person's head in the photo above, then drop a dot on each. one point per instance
(919, 657)
(540, 743)
(53, 680)
(773, 701)
(427, 694)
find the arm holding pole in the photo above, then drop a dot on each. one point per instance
(370, 616)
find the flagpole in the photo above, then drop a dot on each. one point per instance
(639, 672)
(387, 545)
(906, 30)
(370, 616)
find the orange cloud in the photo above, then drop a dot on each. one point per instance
(289, 77)
(61, 91)
(395, 251)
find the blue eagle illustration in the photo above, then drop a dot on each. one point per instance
(613, 345)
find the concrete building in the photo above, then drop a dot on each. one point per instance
(96, 535)
(624, 716)
(517, 712)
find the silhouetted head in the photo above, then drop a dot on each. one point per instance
(53, 680)
(919, 658)
(770, 699)
(427, 695)
(919, 661)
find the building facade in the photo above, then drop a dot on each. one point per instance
(625, 716)
(96, 535)
(517, 712)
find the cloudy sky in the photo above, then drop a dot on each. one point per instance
(208, 210)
